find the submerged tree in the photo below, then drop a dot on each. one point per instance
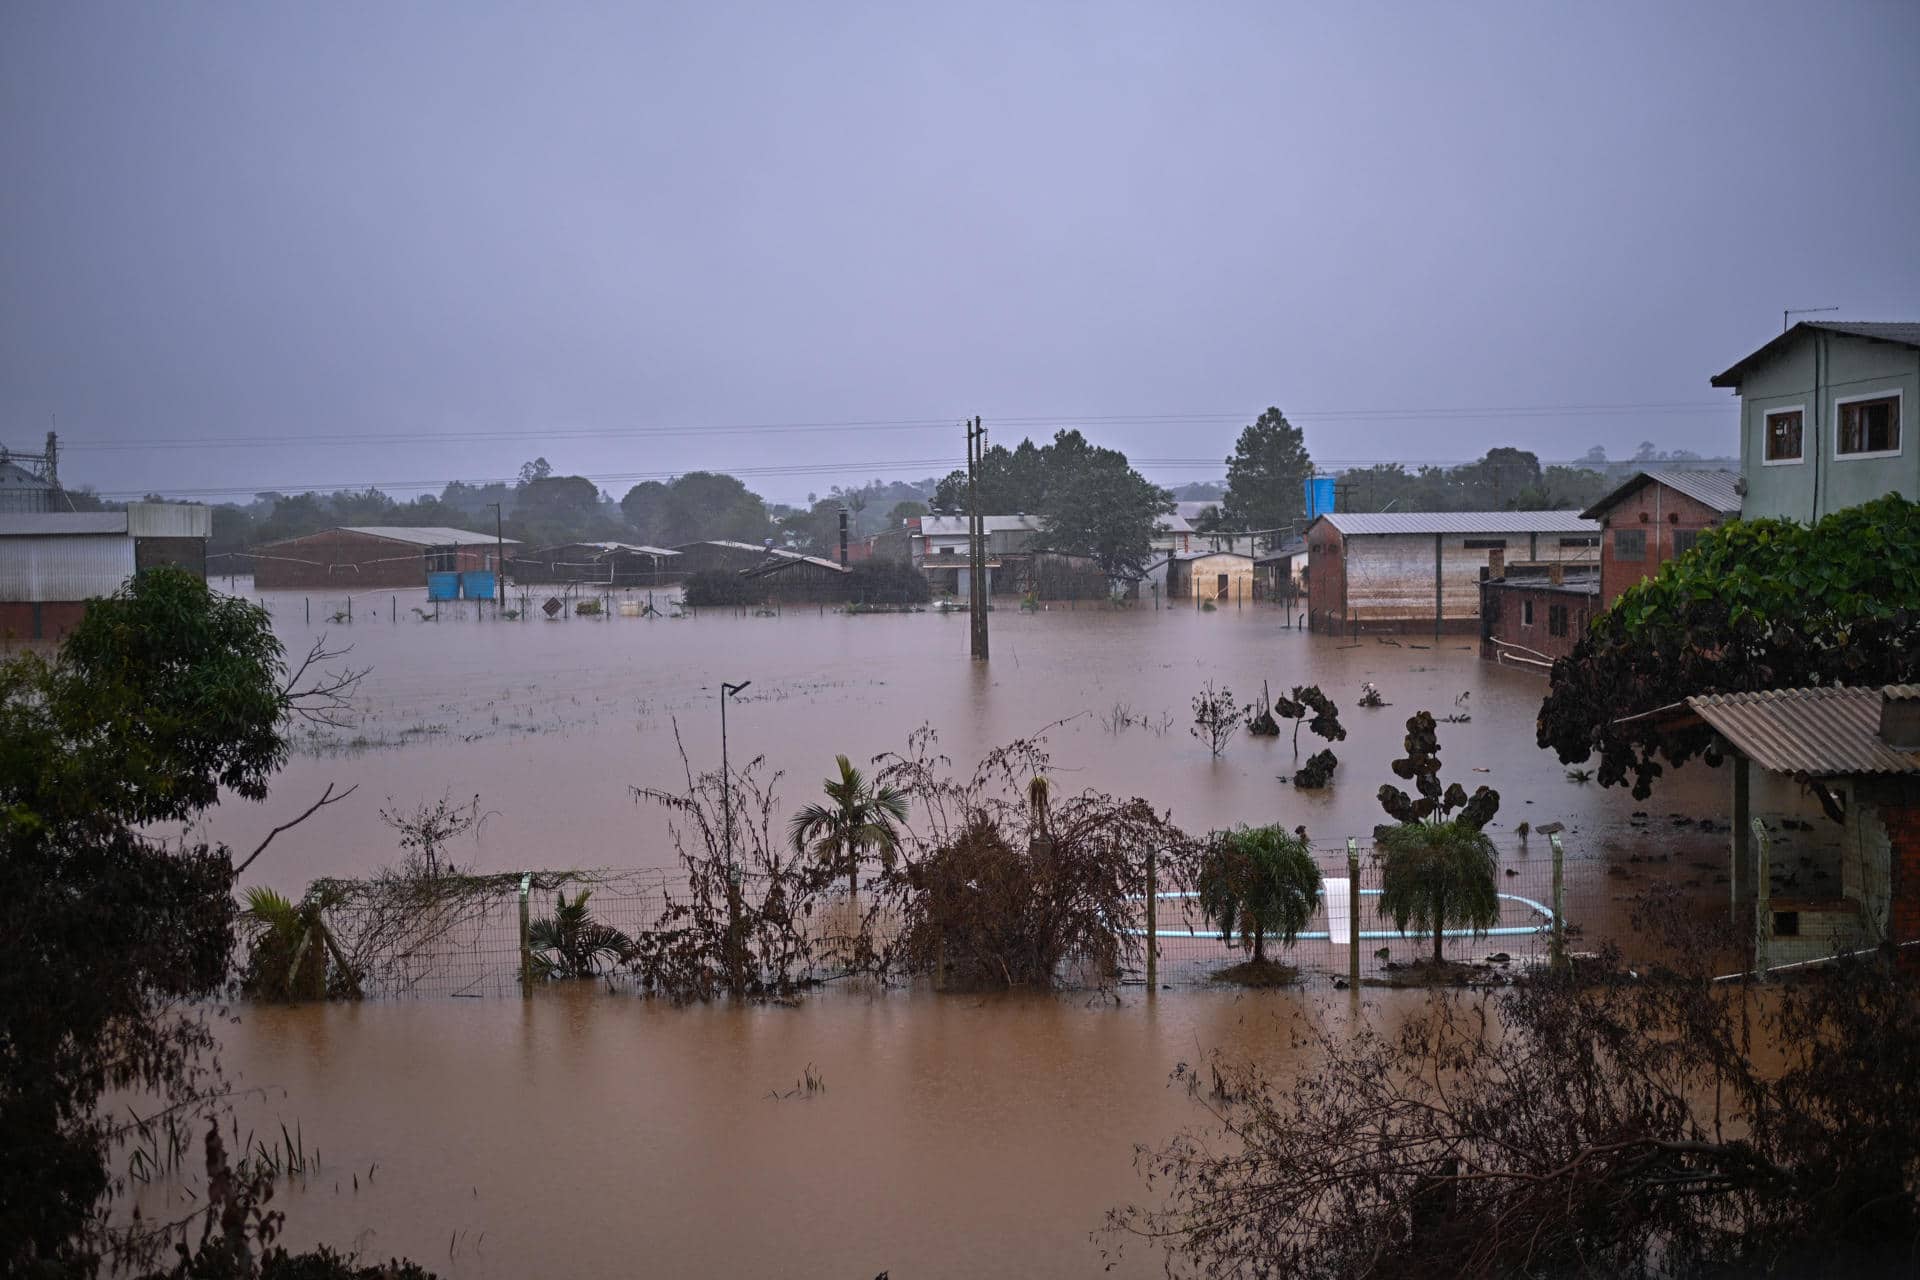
(426, 830)
(1257, 881)
(291, 953)
(1325, 721)
(1216, 718)
(1438, 869)
(857, 818)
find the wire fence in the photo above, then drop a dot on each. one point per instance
(479, 936)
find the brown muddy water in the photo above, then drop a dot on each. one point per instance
(582, 1133)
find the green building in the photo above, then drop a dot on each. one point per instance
(1827, 418)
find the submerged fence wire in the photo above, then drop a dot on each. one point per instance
(463, 936)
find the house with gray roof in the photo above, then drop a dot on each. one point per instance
(1827, 410)
(1655, 517)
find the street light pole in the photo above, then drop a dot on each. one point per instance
(734, 959)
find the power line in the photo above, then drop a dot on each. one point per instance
(1196, 418)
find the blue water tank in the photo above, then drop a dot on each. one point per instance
(1319, 496)
(477, 584)
(443, 586)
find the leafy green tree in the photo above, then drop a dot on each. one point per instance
(554, 509)
(648, 511)
(1107, 512)
(858, 817)
(1758, 604)
(1259, 881)
(163, 696)
(1438, 867)
(1266, 476)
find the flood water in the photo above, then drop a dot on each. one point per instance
(593, 1134)
(551, 723)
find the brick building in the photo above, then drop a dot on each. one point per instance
(360, 556)
(1420, 571)
(1531, 614)
(1655, 517)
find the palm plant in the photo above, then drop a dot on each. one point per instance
(291, 954)
(1439, 875)
(858, 817)
(1257, 881)
(571, 943)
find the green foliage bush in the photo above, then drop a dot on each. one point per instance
(882, 581)
(1757, 604)
(1259, 881)
(720, 588)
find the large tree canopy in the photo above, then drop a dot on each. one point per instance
(1758, 604)
(1265, 476)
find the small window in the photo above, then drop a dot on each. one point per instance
(443, 560)
(1868, 427)
(1592, 541)
(1786, 924)
(1684, 540)
(1783, 435)
(1556, 620)
(1526, 613)
(1629, 544)
(1485, 544)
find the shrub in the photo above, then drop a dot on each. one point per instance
(1438, 876)
(1215, 718)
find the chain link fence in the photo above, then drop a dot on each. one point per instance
(475, 936)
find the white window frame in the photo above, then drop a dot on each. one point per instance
(1895, 394)
(1766, 430)
(1526, 612)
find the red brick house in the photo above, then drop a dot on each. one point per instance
(1531, 614)
(1655, 517)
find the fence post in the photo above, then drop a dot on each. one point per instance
(1153, 924)
(349, 610)
(1557, 947)
(1353, 912)
(308, 602)
(1762, 897)
(526, 936)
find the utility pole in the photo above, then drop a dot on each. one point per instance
(499, 563)
(976, 542)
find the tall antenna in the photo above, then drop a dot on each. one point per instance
(1799, 311)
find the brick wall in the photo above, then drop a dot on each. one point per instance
(1660, 513)
(1902, 822)
(1504, 613)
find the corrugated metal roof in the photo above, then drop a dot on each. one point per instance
(1903, 332)
(425, 535)
(1175, 523)
(1717, 489)
(1352, 523)
(956, 526)
(41, 524)
(640, 547)
(1813, 733)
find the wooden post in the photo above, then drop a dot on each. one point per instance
(1557, 946)
(1762, 898)
(349, 610)
(1742, 851)
(308, 602)
(526, 936)
(393, 608)
(1153, 924)
(1353, 913)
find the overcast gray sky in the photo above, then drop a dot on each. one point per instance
(416, 242)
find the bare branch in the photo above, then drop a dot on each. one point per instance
(326, 798)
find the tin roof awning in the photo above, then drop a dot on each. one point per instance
(1803, 733)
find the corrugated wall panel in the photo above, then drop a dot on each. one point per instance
(57, 568)
(169, 520)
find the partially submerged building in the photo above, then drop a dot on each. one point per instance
(776, 573)
(356, 557)
(607, 564)
(1420, 571)
(1531, 614)
(53, 562)
(1223, 577)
